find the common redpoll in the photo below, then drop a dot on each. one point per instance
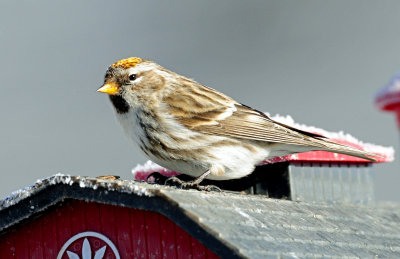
(195, 130)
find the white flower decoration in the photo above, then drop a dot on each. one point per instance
(87, 252)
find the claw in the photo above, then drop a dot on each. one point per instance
(174, 181)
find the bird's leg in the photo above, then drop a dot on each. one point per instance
(199, 179)
(195, 183)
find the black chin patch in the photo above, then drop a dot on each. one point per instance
(121, 106)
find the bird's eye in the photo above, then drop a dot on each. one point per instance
(132, 77)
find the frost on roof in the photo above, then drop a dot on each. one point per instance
(141, 172)
(83, 182)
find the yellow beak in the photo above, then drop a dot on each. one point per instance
(109, 88)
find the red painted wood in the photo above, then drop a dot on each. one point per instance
(124, 233)
(77, 215)
(108, 225)
(184, 245)
(135, 233)
(35, 239)
(168, 242)
(49, 235)
(138, 229)
(63, 221)
(152, 225)
(7, 246)
(198, 250)
(92, 216)
(20, 247)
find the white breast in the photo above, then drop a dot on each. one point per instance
(236, 160)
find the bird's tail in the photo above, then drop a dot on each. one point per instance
(347, 150)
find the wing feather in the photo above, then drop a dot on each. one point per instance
(205, 110)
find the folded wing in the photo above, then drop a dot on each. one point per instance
(205, 110)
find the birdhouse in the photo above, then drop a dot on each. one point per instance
(316, 176)
(80, 217)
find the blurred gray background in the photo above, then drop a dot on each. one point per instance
(319, 61)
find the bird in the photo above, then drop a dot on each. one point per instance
(195, 130)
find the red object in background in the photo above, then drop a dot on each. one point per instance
(134, 233)
(388, 98)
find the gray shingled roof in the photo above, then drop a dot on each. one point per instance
(230, 224)
(262, 227)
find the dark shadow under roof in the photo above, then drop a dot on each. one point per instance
(231, 225)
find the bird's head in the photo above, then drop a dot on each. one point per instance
(132, 79)
(124, 75)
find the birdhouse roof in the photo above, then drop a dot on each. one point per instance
(231, 225)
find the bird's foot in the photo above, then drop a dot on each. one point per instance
(175, 181)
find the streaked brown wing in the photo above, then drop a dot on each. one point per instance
(249, 124)
(205, 110)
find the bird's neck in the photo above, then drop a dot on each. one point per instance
(120, 105)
